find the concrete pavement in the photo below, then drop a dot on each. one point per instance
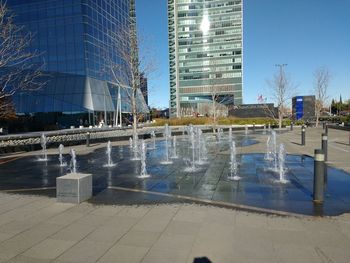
(37, 229)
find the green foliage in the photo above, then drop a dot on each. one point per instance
(220, 121)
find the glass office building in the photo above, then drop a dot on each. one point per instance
(205, 54)
(74, 37)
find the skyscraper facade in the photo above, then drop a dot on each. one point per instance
(76, 41)
(205, 55)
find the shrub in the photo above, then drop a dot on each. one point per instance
(220, 121)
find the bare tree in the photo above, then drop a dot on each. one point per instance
(125, 73)
(321, 82)
(17, 70)
(282, 90)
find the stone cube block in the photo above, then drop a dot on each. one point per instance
(74, 188)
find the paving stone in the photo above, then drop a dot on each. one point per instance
(65, 218)
(24, 259)
(84, 251)
(73, 232)
(106, 234)
(124, 254)
(49, 249)
(156, 255)
(139, 238)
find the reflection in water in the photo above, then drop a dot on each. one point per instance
(45, 177)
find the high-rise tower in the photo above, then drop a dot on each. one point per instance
(205, 53)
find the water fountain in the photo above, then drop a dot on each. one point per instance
(167, 135)
(109, 158)
(262, 184)
(43, 142)
(73, 161)
(274, 150)
(174, 156)
(230, 134)
(143, 173)
(191, 167)
(60, 157)
(134, 147)
(268, 155)
(202, 155)
(131, 143)
(233, 163)
(135, 140)
(153, 137)
(281, 164)
(219, 134)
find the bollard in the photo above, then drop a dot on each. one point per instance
(319, 178)
(303, 135)
(324, 126)
(325, 146)
(326, 129)
(87, 139)
(291, 126)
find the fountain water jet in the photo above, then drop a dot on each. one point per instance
(73, 161)
(192, 167)
(233, 163)
(60, 157)
(230, 135)
(143, 173)
(174, 156)
(109, 158)
(274, 150)
(167, 135)
(43, 142)
(153, 137)
(281, 164)
(268, 155)
(201, 148)
(130, 143)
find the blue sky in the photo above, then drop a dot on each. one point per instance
(305, 34)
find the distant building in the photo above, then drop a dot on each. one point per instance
(205, 55)
(303, 107)
(144, 87)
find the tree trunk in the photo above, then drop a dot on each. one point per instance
(317, 118)
(134, 114)
(280, 118)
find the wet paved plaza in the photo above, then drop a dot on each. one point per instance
(174, 183)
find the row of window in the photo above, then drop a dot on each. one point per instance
(212, 33)
(203, 1)
(212, 12)
(210, 48)
(210, 69)
(211, 19)
(211, 76)
(195, 56)
(210, 40)
(220, 4)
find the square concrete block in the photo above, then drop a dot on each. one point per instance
(74, 188)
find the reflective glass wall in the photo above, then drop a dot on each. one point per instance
(74, 37)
